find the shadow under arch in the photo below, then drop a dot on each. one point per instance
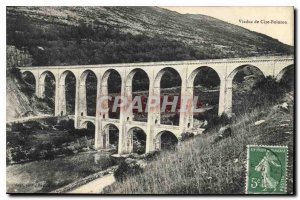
(111, 84)
(137, 87)
(239, 84)
(88, 93)
(283, 72)
(110, 133)
(166, 140)
(167, 84)
(47, 81)
(67, 80)
(204, 85)
(137, 140)
(30, 81)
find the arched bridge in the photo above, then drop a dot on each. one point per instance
(226, 69)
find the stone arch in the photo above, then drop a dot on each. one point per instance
(110, 133)
(237, 69)
(166, 140)
(137, 138)
(87, 95)
(108, 88)
(47, 87)
(31, 81)
(157, 92)
(89, 133)
(283, 71)
(229, 85)
(206, 106)
(67, 92)
(132, 91)
(287, 77)
(84, 123)
(160, 74)
(192, 76)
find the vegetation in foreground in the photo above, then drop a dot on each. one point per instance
(45, 140)
(200, 167)
(48, 175)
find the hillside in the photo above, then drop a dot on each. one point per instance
(199, 167)
(89, 35)
(20, 101)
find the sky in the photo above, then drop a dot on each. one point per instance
(233, 15)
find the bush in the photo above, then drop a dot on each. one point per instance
(186, 136)
(219, 121)
(265, 92)
(18, 154)
(125, 169)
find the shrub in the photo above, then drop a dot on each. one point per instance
(18, 154)
(219, 121)
(186, 136)
(124, 170)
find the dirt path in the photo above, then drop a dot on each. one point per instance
(95, 186)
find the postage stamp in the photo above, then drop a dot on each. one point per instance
(266, 169)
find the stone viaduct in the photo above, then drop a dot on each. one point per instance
(225, 68)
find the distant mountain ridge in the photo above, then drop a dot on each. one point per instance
(130, 34)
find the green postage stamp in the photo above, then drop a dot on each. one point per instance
(266, 169)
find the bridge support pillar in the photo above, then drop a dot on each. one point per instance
(77, 116)
(123, 135)
(228, 98)
(225, 96)
(57, 97)
(153, 116)
(98, 125)
(185, 106)
(41, 90)
(222, 96)
(61, 98)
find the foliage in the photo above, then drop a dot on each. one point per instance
(44, 140)
(48, 175)
(186, 136)
(54, 41)
(201, 168)
(264, 92)
(125, 170)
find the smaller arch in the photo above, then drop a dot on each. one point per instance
(86, 122)
(110, 133)
(166, 140)
(137, 140)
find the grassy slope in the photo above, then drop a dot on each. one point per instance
(199, 167)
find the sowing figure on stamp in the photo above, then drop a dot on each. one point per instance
(264, 167)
